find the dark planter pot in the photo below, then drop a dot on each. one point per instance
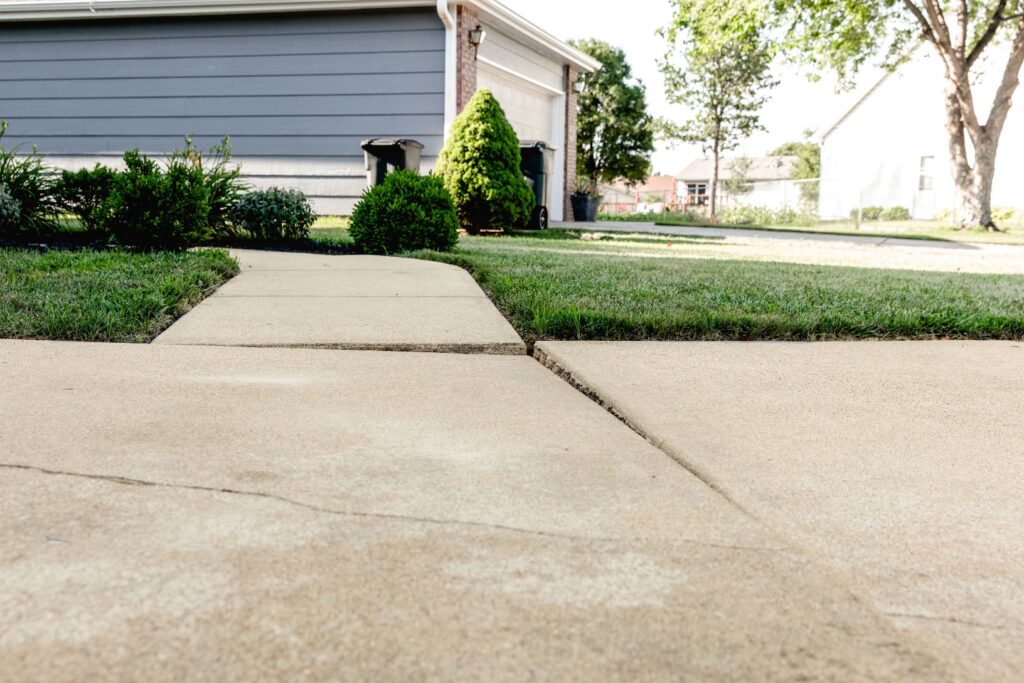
(584, 208)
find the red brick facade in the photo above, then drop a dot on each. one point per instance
(570, 138)
(466, 21)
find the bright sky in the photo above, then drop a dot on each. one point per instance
(796, 104)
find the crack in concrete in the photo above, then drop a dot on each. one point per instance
(551, 364)
(130, 481)
(951, 620)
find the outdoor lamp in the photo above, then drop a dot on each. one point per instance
(477, 36)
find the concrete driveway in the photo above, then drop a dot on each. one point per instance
(898, 464)
(827, 250)
(237, 514)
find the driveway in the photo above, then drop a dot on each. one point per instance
(818, 249)
(897, 464)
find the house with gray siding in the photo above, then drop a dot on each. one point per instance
(296, 84)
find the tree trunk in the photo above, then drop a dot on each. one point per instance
(713, 190)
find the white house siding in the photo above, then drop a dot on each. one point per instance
(873, 156)
(531, 89)
(296, 93)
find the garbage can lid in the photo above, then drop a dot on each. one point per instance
(390, 142)
(530, 144)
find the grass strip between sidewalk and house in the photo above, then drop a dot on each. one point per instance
(108, 296)
(552, 293)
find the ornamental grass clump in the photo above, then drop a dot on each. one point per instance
(480, 165)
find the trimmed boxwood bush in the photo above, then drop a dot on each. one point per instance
(30, 189)
(480, 166)
(274, 214)
(405, 212)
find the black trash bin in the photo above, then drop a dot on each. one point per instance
(384, 155)
(537, 164)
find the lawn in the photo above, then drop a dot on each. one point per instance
(575, 289)
(109, 296)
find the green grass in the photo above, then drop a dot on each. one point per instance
(551, 289)
(109, 296)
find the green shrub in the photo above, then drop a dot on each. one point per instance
(867, 213)
(405, 212)
(274, 214)
(221, 177)
(150, 207)
(31, 188)
(480, 168)
(85, 193)
(895, 213)
(762, 216)
(10, 212)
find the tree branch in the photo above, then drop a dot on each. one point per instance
(1011, 79)
(962, 15)
(994, 22)
(926, 28)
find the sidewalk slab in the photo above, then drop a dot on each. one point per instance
(347, 302)
(334, 515)
(898, 464)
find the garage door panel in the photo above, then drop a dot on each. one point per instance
(529, 110)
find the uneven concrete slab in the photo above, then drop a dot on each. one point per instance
(178, 512)
(347, 302)
(899, 464)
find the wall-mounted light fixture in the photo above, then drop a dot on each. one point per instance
(477, 36)
(578, 86)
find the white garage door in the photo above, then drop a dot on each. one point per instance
(530, 110)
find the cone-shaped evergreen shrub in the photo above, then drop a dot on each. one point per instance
(405, 212)
(480, 168)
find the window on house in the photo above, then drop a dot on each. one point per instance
(927, 177)
(696, 194)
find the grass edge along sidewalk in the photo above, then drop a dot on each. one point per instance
(548, 294)
(104, 296)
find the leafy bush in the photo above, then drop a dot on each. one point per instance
(85, 193)
(274, 214)
(867, 213)
(31, 189)
(149, 207)
(10, 211)
(405, 212)
(761, 216)
(221, 177)
(895, 213)
(480, 168)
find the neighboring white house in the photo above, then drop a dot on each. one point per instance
(768, 179)
(890, 149)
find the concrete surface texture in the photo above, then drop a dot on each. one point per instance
(826, 250)
(347, 302)
(899, 465)
(179, 512)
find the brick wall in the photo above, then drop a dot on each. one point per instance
(466, 21)
(570, 138)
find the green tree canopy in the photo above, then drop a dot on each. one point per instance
(719, 65)
(615, 134)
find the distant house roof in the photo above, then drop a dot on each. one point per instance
(488, 10)
(761, 168)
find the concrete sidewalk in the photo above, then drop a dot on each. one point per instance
(898, 464)
(347, 302)
(235, 514)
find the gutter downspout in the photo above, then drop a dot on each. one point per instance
(444, 11)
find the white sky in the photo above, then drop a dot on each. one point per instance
(796, 104)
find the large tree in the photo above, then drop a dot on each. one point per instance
(719, 65)
(614, 132)
(842, 35)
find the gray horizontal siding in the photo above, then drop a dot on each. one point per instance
(296, 93)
